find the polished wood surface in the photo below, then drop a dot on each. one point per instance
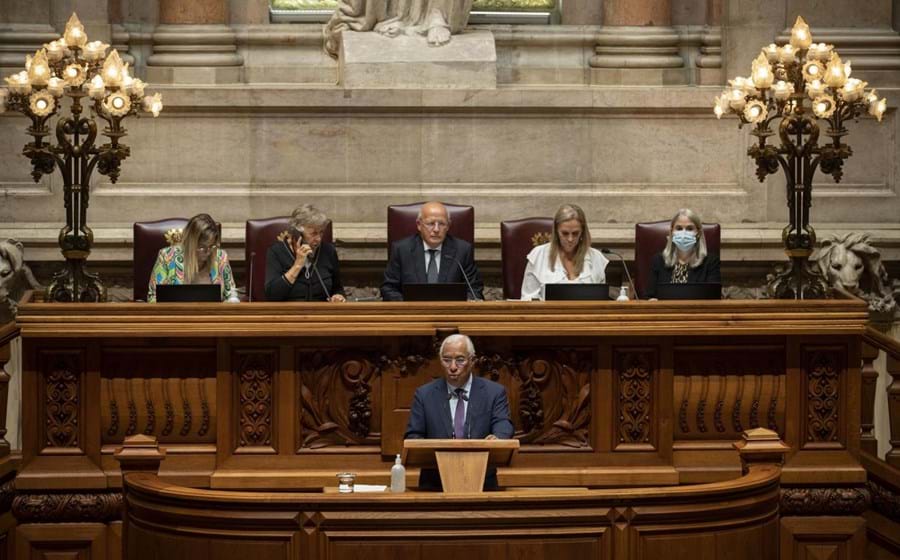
(462, 463)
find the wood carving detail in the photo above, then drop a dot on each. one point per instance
(553, 396)
(143, 399)
(339, 391)
(823, 371)
(824, 501)
(718, 396)
(67, 508)
(634, 371)
(885, 500)
(256, 373)
(62, 399)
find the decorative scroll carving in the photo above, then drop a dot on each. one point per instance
(746, 393)
(554, 397)
(824, 501)
(337, 393)
(823, 369)
(62, 399)
(158, 406)
(67, 508)
(255, 373)
(7, 493)
(634, 371)
(885, 500)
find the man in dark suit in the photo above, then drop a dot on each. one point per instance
(459, 405)
(431, 256)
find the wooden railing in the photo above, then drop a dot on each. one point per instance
(883, 519)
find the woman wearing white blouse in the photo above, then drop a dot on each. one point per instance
(567, 259)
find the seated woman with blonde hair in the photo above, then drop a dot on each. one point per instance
(301, 267)
(684, 259)
(567, 259)
(195, 259)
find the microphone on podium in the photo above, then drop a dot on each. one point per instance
(250, 277)
(466, 278)
(607, 251)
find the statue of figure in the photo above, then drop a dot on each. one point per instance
(853, 267)
(15, 278)
(436, 19)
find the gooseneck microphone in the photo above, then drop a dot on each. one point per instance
(466, 278)
(319, 276)
(250, 277)
(607, 251)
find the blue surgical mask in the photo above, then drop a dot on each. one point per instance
(684, 240)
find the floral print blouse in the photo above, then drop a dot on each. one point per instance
(169, 269)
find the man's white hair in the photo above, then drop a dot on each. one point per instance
(453, 338)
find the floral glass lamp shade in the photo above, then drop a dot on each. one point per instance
(72, 67)
(792, 91)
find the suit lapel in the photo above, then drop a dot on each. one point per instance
(476, 398)
(441, 394)
(448, 260)
(418, 255)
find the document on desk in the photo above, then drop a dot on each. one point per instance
(369, 488)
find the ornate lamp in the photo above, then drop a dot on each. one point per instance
(802, 85)
(71, 67)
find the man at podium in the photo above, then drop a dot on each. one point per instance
(459, 405)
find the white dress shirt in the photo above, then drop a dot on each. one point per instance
(538, 273)
(451, 390)
(437, 255)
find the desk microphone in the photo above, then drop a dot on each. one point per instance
(607, 251)
(250, 278)
(321, 282)
(463, 396)
(466, 278)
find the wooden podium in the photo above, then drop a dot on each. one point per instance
(462, 463)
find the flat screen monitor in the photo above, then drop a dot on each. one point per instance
(576, 292)
(689, 291)
(451, 291)
(188, 293)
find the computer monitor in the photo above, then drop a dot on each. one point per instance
(451, 291)
(576, 292)
(188, 293)
(689, 291)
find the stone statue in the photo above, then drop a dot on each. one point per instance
(853, 267)
(435, 19)
(15, 278)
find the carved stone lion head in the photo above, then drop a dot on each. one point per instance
(15, 278)
(853, 267)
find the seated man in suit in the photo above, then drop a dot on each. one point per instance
(430, 256)
(459, 405)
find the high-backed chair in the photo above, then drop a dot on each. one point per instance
(149, 238)
(259, 235)
(401, 222)
(517, 239)
(650, 238)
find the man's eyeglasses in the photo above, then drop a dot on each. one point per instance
(460, 361)
(435, 225)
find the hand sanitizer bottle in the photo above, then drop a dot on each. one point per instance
(623, 294)
(398, 476)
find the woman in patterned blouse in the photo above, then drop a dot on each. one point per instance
(197, 259)
(684, 260)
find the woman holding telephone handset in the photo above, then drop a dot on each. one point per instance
(301, 267)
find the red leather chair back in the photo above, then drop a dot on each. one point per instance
(517, 239)
(149, 238)
(650, 238)
(259, 235)
(401, 222)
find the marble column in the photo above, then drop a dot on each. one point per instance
(194, 44)
(637, 45)
(24, 28)
(709, 61)
(862, 33)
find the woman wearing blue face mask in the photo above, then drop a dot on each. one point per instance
(684, 260)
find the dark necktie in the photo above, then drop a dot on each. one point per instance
(459, 419)
(432, 272)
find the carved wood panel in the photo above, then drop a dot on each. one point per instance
(635, 372)
(340, 398)
(254, 376)
(824, 368)
(170, 395)
(62, 373)
(720, 391)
